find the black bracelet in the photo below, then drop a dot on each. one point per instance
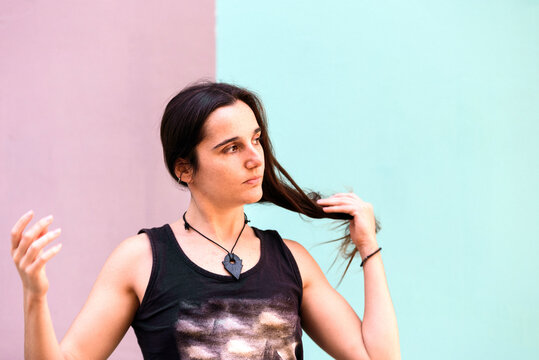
(369, 256)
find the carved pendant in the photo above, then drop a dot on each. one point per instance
(233, 265)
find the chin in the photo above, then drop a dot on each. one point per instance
(255, 197)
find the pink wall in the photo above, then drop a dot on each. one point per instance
(83, 86)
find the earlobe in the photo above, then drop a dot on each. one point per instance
(183, 171)
(184, 177)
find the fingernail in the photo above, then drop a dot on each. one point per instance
(28, 213)
(57, 231)
(48, 218)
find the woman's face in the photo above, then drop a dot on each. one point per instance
(230, 155)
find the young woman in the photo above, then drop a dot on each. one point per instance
(209, 286)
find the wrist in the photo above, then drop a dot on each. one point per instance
(367, 249)
(33, 298)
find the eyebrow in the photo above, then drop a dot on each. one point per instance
(234, 139)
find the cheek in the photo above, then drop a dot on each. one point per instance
(221, 170)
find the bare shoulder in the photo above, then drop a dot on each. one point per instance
(309, 269)
(297, 249)
(133, 248)
(131, 261)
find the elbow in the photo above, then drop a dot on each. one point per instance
(361, 352)
(385, 353)
(383, 347)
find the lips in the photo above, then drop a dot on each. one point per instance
(253, 180)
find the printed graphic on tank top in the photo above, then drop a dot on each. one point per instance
(237, 329)
(190, 313)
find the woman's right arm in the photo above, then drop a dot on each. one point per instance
(110, 307)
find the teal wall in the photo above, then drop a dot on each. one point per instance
(428, 110)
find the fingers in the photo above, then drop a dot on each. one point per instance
(43, 258)
(339, 209)
(18, 228)
(334, 200)
(349, 195)
(35, 249)
(335, 197)
(343, 194)
(29, 236)
(343, 202)
(328, 201)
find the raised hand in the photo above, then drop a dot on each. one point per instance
(28, 254)
(363, 225)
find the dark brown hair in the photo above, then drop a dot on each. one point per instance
(182, 129)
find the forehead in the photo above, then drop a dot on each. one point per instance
(233, 120)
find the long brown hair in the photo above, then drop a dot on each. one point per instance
(182, 130)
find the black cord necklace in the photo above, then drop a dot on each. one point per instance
(232, 262)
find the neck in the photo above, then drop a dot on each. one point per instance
(219, 224)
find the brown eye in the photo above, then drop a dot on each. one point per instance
(227, 150)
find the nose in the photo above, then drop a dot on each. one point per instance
(255, 156)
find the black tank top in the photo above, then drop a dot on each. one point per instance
(188, 312)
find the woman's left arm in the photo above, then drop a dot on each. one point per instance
(327, 317)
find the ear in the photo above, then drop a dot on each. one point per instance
(184, 169)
